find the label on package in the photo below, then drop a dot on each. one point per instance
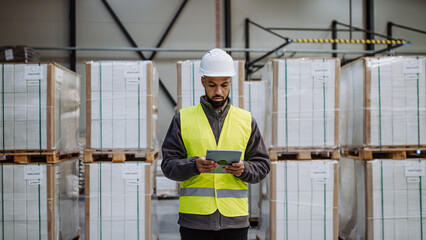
(8, 54)
(33, 172)
(413, 180)
(132, 71)
(133, 182)
(414, 169)
(33, 82)
(320, 180)
(133, 81)
(412, 65)
(320, 78)
(319, 170)
(33, 72)
(130, 171)
(320, 68)
(34, 182)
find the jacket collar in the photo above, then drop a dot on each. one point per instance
(208, 108)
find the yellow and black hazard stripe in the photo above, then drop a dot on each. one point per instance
(348, 41)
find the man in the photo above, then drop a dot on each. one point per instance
(214, 205)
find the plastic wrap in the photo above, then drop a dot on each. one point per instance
(385, 200)
(122, 105)
(18, 54)
(384, 102)
(119, 201)
(301, 200)
(190, 89)
(40, 107)
(40, 201)
(303, 100)
(254, 101)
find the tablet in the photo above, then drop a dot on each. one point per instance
(223, 157)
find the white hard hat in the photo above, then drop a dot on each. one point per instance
(217, 63)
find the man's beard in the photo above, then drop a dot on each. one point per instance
(216, 104)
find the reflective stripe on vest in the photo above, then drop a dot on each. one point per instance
(207, 192)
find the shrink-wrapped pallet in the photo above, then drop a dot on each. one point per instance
(302, 103)
(190, 89)
(119, 201)
(382, 199)
(40, 108)
(121, 105)
(384, 103)
(300, 201)
(254, 102)
(39, 201)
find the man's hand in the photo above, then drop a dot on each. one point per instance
(236, 168)
(204, 166)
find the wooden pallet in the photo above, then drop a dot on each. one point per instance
(34, 156)
(384, 153)
(115, 155)
(254, 221)
(276, 154)
(77, 238)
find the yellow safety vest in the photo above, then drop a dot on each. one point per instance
(205, 193)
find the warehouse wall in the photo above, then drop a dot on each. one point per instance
(45, 23)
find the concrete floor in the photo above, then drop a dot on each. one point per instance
(167, 216)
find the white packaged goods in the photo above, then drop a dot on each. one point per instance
(383, 102)
(119, 201)
(39, 201)
(122, 103)
(254, 101)
(303, 97)
(190, 89)
(40, 107)
(383, 199)
(301, 201)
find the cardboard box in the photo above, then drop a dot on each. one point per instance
(384, 102)
(384, 199)
(40, 107)
(40, 201)
(190, 89)
(121, 105)
(300, 201)
(303, 102)
(119, 201)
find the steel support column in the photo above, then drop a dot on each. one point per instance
(72, 42)
(369, 22)
(227, 6)
(334, 36)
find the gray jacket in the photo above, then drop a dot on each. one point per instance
(178, 167)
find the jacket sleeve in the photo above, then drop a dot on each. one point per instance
(256, 159)
(175, 164)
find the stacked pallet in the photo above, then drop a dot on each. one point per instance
(300, 200)
(39, 173)
(384, 118)
(119, 201)
(40, 110)
(190, 89)
(254, 102)
(40, 201)
(303, 97)
(121, 149)
(121, 110)
(301, 197)
(18, 54)
(382, 198)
